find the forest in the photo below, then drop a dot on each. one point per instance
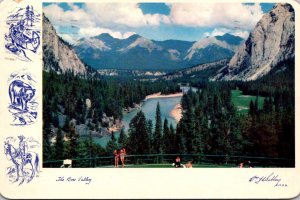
(65, 95)
(210, 124)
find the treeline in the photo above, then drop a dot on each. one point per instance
(211, 124)
(64, 100)
(70, 92)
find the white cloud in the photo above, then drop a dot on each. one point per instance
(222, 31)
(128, 34)
(115, 18)
(242, 34)
(68, 38)
(217, 31)
(227, 15)
(59, 17)
(90, 32)
(128, 14)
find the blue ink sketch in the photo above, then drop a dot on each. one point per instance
(24, 33)
(23, 105)
(24, 161)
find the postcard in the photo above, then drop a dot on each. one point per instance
(138, 99)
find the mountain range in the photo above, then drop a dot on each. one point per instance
(137, 52)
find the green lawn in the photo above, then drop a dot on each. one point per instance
(242, 101)
(170, 166)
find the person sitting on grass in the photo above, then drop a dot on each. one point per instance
(189, 164)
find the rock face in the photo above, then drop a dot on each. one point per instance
(271, 42)
(58, 55)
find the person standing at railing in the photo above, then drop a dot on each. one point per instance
(117, 155)
(122, 156)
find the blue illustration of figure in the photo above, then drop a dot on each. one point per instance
(20, 94)
(23, 148)
(29, 15)
(25, 163)
(23, 34)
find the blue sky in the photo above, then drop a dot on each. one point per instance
(158, 21)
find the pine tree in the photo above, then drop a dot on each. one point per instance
(179, 139)
(73, 143)
(157, 131)
(256, 105)
(138, 135)
(123, 138)
(111, 145)
(47, 148)
(251, 108)
(150, 133)
(173, 139)
(166, 138)
(188, 128)
(59, 145)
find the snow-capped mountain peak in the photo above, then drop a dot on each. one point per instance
(208, 41)
(143, 43)
(93, 43)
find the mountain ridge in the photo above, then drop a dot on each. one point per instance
(138, 52)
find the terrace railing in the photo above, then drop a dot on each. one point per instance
(199, 159)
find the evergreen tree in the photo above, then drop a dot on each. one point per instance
(166, 138)
(73, 143)
(151, 136)
(59, 145)
(123, 138)
(251, 108)
(47, 149)
(111, 145)
(179, 139)
(138, 135)
(256, 105)
(157, 131)
(173, 139)
(188, 128)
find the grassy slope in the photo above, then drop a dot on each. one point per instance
(242, 102)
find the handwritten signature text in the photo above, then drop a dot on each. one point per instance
(271, 178)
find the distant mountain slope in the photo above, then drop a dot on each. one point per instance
(211, 49)
(271, 42)
(137, 52)
(58, 55)
(202, 71)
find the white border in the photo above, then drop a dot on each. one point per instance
(145, 183)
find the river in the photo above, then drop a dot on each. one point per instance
(149, 109)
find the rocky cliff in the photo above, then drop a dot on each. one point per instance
(271, 42)
(59, 55)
